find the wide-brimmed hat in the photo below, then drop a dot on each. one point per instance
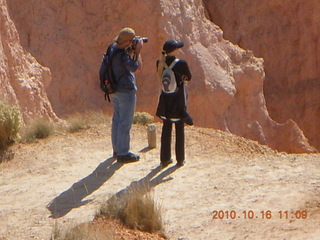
(125, 35)
(171, 45)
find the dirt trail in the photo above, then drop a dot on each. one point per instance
(65, 178)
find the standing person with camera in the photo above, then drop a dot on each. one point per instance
(172, 107)
(126, 60)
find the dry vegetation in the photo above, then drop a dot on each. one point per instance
(135, 208)
(128, 216)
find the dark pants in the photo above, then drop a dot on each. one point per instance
(166, 136)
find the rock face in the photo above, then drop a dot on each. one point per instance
(23, 81)
(70, 38)
(226, 91)
(285, 34)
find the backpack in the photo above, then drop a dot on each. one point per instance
(169, 83)
(107, 79)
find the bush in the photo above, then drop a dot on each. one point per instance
(39, 129)
(10, 122)
(142, 118)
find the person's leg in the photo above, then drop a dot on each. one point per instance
(165, 152)
(126, 106)
(115, 124)
(179, 147)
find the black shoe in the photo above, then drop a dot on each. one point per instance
(130, 157)
(181, 163)
(166, 163)
(188, 120)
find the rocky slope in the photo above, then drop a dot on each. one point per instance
(286, 35)
(227, 88)
(23, 81)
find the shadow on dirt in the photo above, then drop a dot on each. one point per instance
(145, 184)
(72, 198)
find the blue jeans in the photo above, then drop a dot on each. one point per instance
(124, 106)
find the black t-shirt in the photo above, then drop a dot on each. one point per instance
(180, 69)
(173, 105)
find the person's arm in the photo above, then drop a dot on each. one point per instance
(139, 62)
(186, 74)
(137, 55)
(132, 59)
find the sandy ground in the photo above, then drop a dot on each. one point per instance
(252, 191)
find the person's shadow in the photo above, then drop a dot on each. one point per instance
(144, 185)
(73, 197)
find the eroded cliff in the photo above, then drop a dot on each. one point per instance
(226, 91)
(23, 81)
(286, 35)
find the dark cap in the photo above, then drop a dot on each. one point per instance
(171, 45)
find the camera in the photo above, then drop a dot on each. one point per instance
(136, 40)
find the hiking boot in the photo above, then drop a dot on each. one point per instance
(166, 163)
(130, 157)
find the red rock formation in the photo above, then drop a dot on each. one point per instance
(70, 38)
(226, 91)
(285, 34)
(23, 81)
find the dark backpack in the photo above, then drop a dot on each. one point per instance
(108, 81)
(169, 83)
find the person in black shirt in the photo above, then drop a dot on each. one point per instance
(172, 107)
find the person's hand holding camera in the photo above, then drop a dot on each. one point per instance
(136, 47)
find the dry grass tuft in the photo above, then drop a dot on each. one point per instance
(79, 121)
(38, 129)
(142, 213)
(76, 122)
(85, 231)
(135, 210)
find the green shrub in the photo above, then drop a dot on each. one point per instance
(10, 122)
(142, 118)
